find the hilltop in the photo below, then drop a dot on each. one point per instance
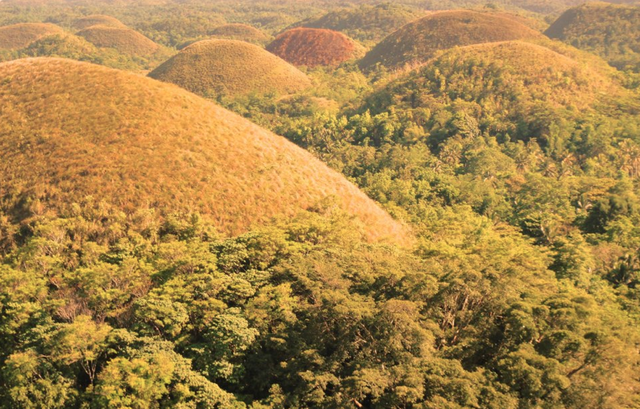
(608, 30)
(365, 23)
(312, 47)
(230, 67)
(17, 36)
(70, 130)
(241, 32)
(125, 40)
(418, 41)
(97, 20)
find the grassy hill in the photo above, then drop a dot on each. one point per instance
(97, 20)
(418, 41)
(365, 23)
(67, 45)
(232, 68)
(125, 40)
(611, 31)
(313, 47)
(515, 89)
(70, 130)
(241, 32)
(21, 35)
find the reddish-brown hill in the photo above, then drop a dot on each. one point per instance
(313, 47)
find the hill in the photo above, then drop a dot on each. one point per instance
(124, 40)
(418, 41)
(515, 89)
(97, 20)
(241, 32)
(71, 130)
(608, 30)
(365, 23)
(313, 47)
(21, 35)
(229, 67)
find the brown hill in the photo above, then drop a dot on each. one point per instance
(418, 41)
(70, 130)
(97, 20)
(313, 47)
(241, 32)
(18, 36)
(229, 67)
(125, 40)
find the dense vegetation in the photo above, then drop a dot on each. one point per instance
(365, 23)
(611, 31)
(158, 251)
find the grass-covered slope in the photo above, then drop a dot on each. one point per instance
(609, 30)
(18, 36)
(125, 40)
(418, 41)
(229, 67)
(71, 130)
(312, 47)
(241, 32)
(97, 20)
(367, 22)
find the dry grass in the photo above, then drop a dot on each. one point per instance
(241, 32)
(229, 67)
(312, 47)
(69, 130)
(18, 36)
(124, 40)
(97, 20)
(418, 41)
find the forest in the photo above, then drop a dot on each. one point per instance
(192, 216)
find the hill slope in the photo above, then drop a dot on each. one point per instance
(611, 31)
(97, 20)
(312, 47)
(125, 40)
(418, 41)
(365, 23)
(229, 67)
(71, 130)
(18, 36)
(516, 90)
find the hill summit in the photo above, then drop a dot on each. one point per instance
(418, 41)
(72, 130)
(18, 36)
(125, 40)
(230, 67)
(608, 30)
(241, 32)
(312, 47)
(97, 20)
